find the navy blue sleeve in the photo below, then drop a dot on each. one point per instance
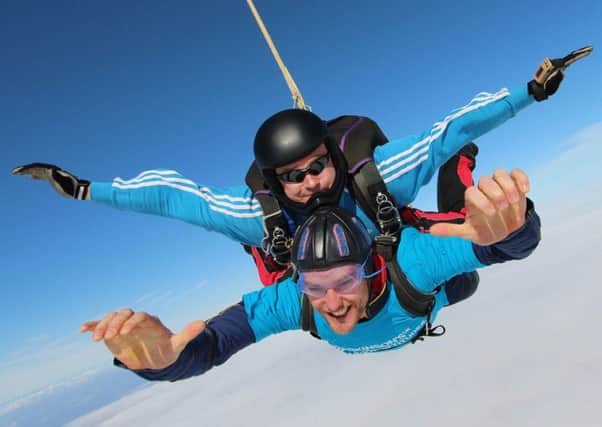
(517, 245)
(225, 334)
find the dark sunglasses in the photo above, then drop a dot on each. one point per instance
(298, 175)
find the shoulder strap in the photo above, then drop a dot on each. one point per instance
(278, 240)
(308, 322)
(414, 301)
(357, 137)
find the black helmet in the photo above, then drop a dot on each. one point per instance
(328, 238)
(288, 136)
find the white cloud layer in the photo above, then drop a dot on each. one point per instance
(572, 182)
(522, 351)
(42, 362)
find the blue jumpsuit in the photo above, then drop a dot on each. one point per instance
(405, 164)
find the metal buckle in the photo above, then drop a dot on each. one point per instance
(543, 71)
(280, 246)
(387, 215)
(385, 239)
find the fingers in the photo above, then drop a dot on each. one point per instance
(516, 218)
(502, 190)
(496, 207)
(18, 170)
(117, 321)
(507, 185)
(515, 185)
(121, 322)
(577, 54)
(140, 340)
(521, 179)
(444, 229)
(483, 197)
(88, 326)
(34, 170)
(508, 203)
(101, 326)
(193, 329)
(135, 321)
(109, 326)
(27, 169)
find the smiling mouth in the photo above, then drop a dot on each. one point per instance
(339, 314)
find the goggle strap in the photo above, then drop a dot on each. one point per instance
(371, 275)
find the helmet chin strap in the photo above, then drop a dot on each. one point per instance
(322, 198)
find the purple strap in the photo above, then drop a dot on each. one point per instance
(359, 165)
(344, 138)
(362, 162)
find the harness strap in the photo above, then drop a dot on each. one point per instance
(308, 322)
(277, 239)
(428, 331)
(375, 200)
(269, 271)
(414, 301)
(423, 220)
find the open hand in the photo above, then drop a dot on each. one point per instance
(495, 207)
(139, 340)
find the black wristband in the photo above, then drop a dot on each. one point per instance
(537, 91)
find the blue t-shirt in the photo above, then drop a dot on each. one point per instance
(427, 262)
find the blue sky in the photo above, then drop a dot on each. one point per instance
(113, 88)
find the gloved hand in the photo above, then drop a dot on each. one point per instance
(65, 183)
(550, 73)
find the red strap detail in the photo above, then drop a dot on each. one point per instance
(266, 277)
(423, 221)
(464, 171)
(440, 216)
(380, 280)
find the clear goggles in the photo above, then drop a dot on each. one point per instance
(316, 283)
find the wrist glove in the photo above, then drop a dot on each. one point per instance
(65, 183)
(550, 73)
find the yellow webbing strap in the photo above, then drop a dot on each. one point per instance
(297, 98)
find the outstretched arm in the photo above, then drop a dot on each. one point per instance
(232, 211)
(141, 343)
(409, 163)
